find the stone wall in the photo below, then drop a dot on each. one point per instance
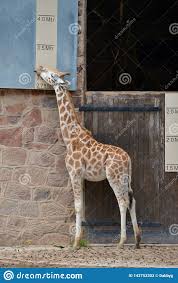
(36, 199)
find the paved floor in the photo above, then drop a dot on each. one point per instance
(95, 256)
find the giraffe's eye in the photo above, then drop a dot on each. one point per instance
(54, 77)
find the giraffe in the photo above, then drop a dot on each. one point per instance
(87, 159)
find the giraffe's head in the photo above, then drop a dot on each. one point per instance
(52, 76)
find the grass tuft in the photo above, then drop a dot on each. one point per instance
(83, 243)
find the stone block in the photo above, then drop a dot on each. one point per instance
(51, 118)
(28, 209)
(42, 194)
(54, 239)
(8, 207)
(61, 166)
(64, 196)
(15, 109)
(36, 98)
(9, 238)
(52, 209)
(11, 137)
(28, 135)
(58, 149)
(16, 223)
(56, 180)
(12, 120)
(17, 191)
(49, 101)
(3, 120)
(32, 118)
(13, 97)
(14, 156)
(41, 158)
(31, 175)
(40, 227)
(46, 135)
(5, 174)
(3, 221)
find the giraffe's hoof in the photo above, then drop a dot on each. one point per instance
(120, 246)
(75, 247)
(137, 246)
(137, 242)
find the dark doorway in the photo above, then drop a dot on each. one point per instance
(132, 45)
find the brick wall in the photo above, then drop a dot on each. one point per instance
(36, 199)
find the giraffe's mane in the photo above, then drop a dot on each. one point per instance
(82, 127)
(86, 130)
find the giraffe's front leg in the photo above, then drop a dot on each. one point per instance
(78, 202)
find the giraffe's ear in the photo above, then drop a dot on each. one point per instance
(39, 69)
(43, 69)
(63, 74)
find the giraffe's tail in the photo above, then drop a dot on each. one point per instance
(130, 192)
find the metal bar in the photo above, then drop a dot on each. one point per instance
(91, 108)
(108, 223)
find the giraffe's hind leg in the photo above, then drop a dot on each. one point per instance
(121, 192)
(132, 210)
(123, 212)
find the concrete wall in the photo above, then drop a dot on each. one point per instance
(36, 199)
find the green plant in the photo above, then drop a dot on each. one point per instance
(83, 243)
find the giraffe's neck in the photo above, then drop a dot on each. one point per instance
(69, 123)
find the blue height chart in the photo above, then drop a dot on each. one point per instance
(33, 33)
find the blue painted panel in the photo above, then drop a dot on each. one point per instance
(67, 38)
(17, 42)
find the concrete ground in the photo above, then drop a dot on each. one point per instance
(94, 256)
